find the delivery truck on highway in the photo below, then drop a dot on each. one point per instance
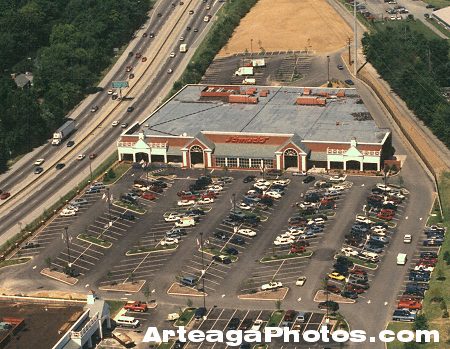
(249, 81)
(183, 48)
(63, 132)
(244, 71)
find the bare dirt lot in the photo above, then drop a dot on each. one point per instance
(289, 25)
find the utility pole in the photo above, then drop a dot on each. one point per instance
(355, 67)
(203, 271)
(328, 69)
(68, 250)
(349, 51)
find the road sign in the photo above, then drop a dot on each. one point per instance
(119, 84)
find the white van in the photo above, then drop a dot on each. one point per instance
(127, 321)
(402, 258)
(185, 222)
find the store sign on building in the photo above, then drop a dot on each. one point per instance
(236, 139)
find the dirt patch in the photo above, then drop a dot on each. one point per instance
(178, 290)
(57, 275)
(322, 297)
(278, 294)
(59, 295)
(133, 287)
(310, 25)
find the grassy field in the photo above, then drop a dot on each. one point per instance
(439, 27)
(275, 318)
(415, 25)
(14, 261)
(186, 317)
(118, 170)
(396, 327)
(438, 3)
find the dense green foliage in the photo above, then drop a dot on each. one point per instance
(65, 44)
(228, 19)
(417, 69)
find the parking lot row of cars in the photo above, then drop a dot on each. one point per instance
(365, 243)
(409, 301)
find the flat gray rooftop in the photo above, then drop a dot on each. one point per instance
(340, 120)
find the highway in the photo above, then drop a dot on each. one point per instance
(151, 84)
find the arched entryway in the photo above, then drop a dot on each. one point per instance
(196, 154)
(142, 157)
(353, 165)
(290, 158)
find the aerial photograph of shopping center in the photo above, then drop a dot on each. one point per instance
(224, 174)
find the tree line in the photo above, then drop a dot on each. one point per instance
(418, 69)
(66, 44)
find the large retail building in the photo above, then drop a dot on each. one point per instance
(285, 128)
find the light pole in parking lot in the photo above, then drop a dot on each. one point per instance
(203, 271)
(90, 170)
(68, 250)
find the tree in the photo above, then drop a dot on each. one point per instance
(189, 303)
(278, 304)
(146, 291)
(48, 262)
(421, 323)
(111, 173)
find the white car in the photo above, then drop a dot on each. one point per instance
(349, 252)
(67, 213)
(244, 206)
(271, 286)
(39, 162)
(273, 194)
(262, 181)
(72, 208)
(282, 242)
(81, 157)
(168, 241)
(363, 219)
(338, 179)
(286, 235)
(169, 71)
(424, 267)
(110, 92)
(283, 182)
(383, 187)
(257, 325)
(302, 173)
(186, 202)
(115, 123)
(215, 188)
(172, 217)
(294, 232)
(205, 201)
(172, 54)
(319, 221)
(247, 232)
(407, 239)
(379, 232)
(300, 281)
(260, 186)
(337, 187)
(398, 195)
(182, 38)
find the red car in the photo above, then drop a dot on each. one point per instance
(5, 195)
(138, 55)
(210, 195)
(333, 289)
(189, 197)
(92, 156)
(409, 304)
(149, 196)
(357, 270)
(385, 216)
(136, 306)
(354, 288)
(144, 59)
(387, 211)
(297, 249)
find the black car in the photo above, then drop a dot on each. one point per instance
(349, 82)
(38, 170)
(349, 294)
(70, 143)
(233, 324)
(130, 109)
(93, 190)
(231, 251)
(331, 305)
(246, 324)
(127, 216)
(199, 313)
(60, 166)
(178, 344)
(222, 259)
(249, 179)
(237, 240)
(309, 179)
(221, 235)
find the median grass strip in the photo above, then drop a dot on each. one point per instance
(216, 252)
(114, 306)
(185, 317)
(362, 263)
(94, 240)
(275, 257)
(130, 207)
(143, 250)
(13, 262)
(116, 172)
(275, 318)
(167, 345)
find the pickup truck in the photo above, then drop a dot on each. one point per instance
(136, 306)
(271, 286)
